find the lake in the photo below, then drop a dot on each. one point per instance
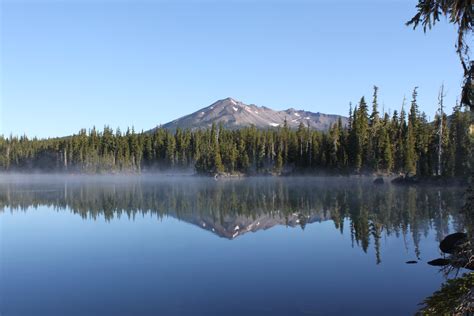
(161, 245)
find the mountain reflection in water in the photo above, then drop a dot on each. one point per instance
(232, 208)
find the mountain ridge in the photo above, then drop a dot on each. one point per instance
(234, 114)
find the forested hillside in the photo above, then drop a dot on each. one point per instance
(370, 143)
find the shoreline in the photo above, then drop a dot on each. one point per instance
(395, 180)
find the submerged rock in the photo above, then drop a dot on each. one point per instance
(458, 247)
(451, 242)
(408, 179)
(440, 262)
(379, 181)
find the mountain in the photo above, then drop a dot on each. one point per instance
(234, 114)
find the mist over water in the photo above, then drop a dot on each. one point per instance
(180, 245)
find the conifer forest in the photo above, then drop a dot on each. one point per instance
(404, 141)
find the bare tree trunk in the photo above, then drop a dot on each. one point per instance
(65, 158)
(440, 130)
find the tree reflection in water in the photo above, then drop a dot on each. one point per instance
(230, 208)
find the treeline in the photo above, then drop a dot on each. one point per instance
(370, 143)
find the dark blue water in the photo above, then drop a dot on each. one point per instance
(111, 246)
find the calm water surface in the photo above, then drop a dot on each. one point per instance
(186, 246)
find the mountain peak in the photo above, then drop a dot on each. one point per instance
(232, 100)
(235, 114)
(227, 100)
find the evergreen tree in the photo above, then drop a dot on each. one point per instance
(361, 126)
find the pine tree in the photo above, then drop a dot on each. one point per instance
(279, 163)
(385, 146)
(413, 136)
(170, 150)
(409, 151)
(374, 150)
(361, 127)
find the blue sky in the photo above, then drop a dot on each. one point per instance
(67, 65)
